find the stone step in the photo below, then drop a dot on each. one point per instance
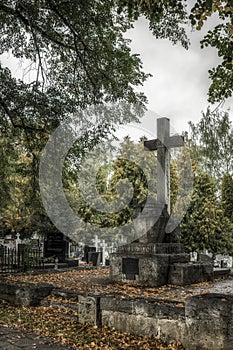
(81, 307)
(66, 308)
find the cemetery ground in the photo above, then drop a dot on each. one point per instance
(61, 324)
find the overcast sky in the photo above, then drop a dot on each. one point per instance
(179, 86)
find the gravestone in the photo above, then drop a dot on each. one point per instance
(157, 257)
(95, 258)
(88, 250)
(56, 245)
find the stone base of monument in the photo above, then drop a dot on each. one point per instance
(156, 258)
(156, 264)
(181, 274)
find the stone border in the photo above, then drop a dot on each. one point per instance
(203, 321)
(24, 294)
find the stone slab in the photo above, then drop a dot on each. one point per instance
(24, 294)
(151, 248)
(182, 274)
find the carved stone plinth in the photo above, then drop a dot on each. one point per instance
(157, 258)
(147, 264)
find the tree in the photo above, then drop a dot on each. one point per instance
(211, 141)
(219, 37)
(227, 196)
(184, 174)
(204, 225)
(6, 159)
(124, 183)
(81, 58)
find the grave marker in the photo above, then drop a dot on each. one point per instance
(163, 144)
(157, 258)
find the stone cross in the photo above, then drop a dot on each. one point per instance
(17, 241)
(162, 144)
(103, 247)
(96, 242)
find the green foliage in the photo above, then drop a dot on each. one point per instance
(166, 18)
(79, 57)
(21, 209)
(127, 181)
(174, 184)
(227, 196)
(219, 37)
(212, 143)
(204, 225)
(122, 183)
(183, 176)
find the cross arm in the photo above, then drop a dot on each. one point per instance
(170, 142)
(152, 145)
(174, 141)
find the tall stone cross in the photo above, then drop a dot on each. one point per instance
(162, 144)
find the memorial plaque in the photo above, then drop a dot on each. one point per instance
(130, 268)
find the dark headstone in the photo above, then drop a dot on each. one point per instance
(95, 258)
(56, 245)
(87, 250)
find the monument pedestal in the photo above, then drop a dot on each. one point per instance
(154, 259)
(144, 263)
(156, 264)
(157, 257)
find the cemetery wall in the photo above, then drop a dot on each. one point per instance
(24, 294)
(201, 322)
(147, 318)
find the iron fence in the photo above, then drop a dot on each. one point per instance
(20, 260)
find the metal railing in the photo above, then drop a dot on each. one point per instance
(19, 260)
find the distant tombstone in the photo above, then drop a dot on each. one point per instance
(95, 258)
(56, 245)
(204, 258)
(17, 240)
(87, 251)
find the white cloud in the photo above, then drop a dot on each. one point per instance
(179, 86)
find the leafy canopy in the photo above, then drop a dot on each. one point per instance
(211, 141)
(80, 56)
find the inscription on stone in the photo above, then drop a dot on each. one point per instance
(130, 268)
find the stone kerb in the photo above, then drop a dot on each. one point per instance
(165, 320)
(188, 273)
(86, 304)
(209, 320)
(203, 322)
(24, 294)
(89, 310)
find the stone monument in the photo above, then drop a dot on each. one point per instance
(158, 258)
